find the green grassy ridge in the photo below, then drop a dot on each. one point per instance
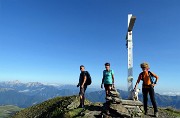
(172, 111)
(7, 110)
(47, 108)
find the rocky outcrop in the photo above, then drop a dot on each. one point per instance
(135, 108)
(123, 108)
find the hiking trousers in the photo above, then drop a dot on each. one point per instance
(145, 92)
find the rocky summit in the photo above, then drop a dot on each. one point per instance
(114, 107)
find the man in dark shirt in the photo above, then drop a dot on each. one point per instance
(83, 86)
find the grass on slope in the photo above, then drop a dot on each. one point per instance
(173, 112)
(8, 110)
(165, 112)
(49, 108)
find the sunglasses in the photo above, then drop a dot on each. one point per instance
(145, 68)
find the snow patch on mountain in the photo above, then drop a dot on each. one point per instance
(24, 91)
(175, 93)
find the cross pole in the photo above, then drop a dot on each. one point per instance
(129, 44)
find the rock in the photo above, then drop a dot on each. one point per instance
(113, 89)
(135, 111)
(134, 108)
(114, 93)
(142, 108)
(119, 110)
(74, 104)
(92, 114)
(108, 98)
(116, 100)
(139, 114)
(93, 111)
(132, 103)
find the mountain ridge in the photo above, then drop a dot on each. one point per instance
(34, 92)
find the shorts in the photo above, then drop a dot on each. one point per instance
(82, 90)
(107, 85)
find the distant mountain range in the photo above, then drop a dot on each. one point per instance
(28, 94)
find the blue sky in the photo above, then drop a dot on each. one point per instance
(47, 40)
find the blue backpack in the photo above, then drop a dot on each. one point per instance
(152, 78)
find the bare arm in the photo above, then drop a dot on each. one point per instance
(113, 81)
(102, 80)
(113, 78)
(78, 82)
(139, 78)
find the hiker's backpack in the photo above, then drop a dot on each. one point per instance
(88, 78)
(152, 79)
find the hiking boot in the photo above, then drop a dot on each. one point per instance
(156, 114)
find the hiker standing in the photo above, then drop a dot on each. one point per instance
(84, 80)
(148, 87)
(108, 79)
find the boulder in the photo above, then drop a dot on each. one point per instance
(114, 93)
(116, 100)
(119, 110)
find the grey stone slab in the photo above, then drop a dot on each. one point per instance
(133, 108)
(132, 103)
